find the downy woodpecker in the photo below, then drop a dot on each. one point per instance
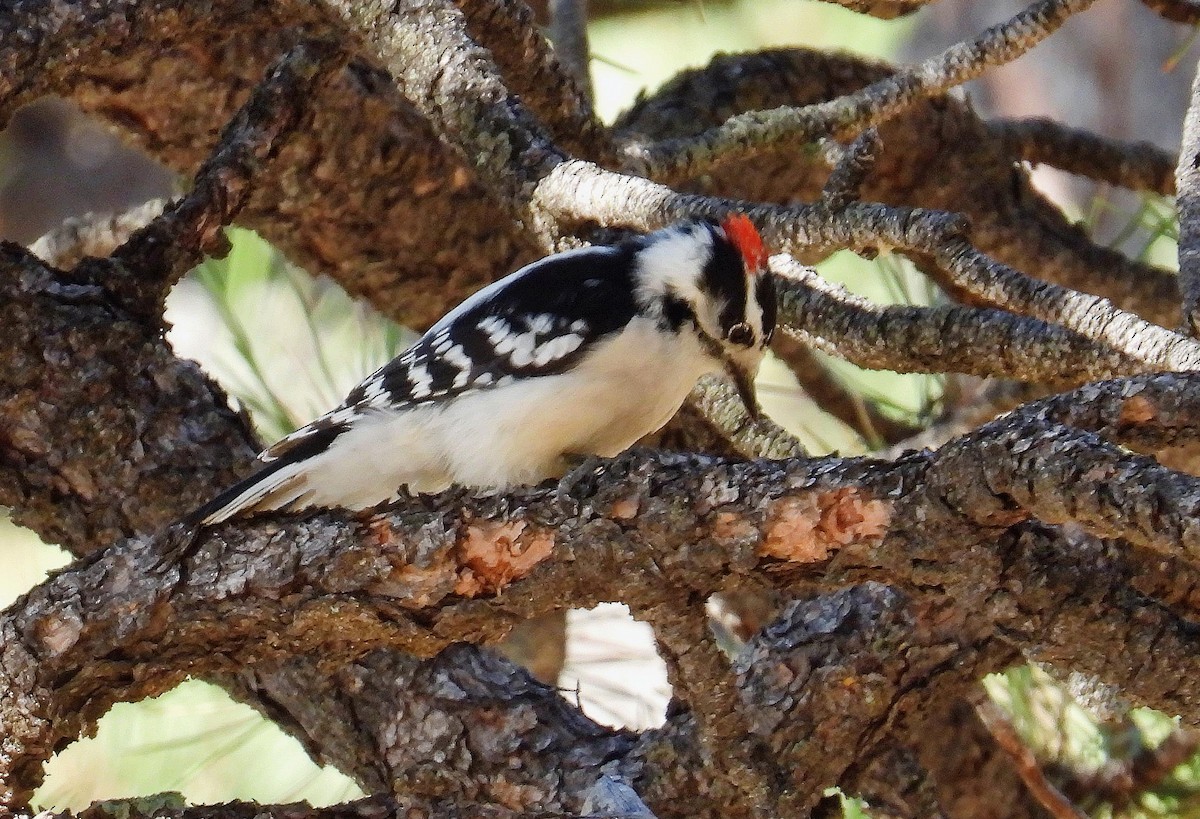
(581, 353)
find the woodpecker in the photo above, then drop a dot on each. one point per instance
(578, 354)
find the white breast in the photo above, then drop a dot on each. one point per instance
(630, 385)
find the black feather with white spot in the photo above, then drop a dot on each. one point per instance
(539, 321)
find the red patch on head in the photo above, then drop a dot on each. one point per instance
(741, 231)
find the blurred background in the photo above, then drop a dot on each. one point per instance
(1118, 70)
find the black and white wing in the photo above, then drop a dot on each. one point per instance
(539, 321)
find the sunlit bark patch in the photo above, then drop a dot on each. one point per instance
(730, 527)
(809, 528)
(492, 555)
(56, 635)
(625, 509)
(1137, 409)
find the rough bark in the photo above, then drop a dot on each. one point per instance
(416, 150)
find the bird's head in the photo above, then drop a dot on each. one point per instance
(711, 277)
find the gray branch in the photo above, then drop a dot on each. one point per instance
(1138, 166)
(1187, 182)
(568, 31)
(749, 133)
(939, 339)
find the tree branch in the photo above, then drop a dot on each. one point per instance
(555, 88)
(1187, 182)
(738, 762)
(568, 31)
(872, 681)
(592, 538)
(848, 175)
(127, 420)
(93, 234)
(937, 339)
(940, 237)
(1007, 738)
(1080, 597)
(141, 271)
(749, 133)
(1177, 11)
(373, 807)
(720, 403)
(1138, 166)
(466, 725)
(1108, 492)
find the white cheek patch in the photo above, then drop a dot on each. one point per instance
(754, 311)
(675, 264)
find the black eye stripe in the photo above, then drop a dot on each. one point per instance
(764, 293)
(724, 278)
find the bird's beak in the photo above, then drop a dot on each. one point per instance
(744, 382)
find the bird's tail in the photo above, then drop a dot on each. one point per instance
(282, 482)
(276, 486)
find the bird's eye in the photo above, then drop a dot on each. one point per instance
(741, 334)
